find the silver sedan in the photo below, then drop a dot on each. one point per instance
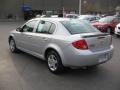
(62, 42)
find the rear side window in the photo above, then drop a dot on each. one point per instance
(46, 27)
(92, 18)
(78, 27)
(52, 29)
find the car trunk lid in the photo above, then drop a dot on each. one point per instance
(97, 42)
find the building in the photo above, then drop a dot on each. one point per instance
(14, 8)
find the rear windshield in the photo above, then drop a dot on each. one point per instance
(85, 17)
(106, 19)
(78, 27)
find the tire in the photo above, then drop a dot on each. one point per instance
(54, 62)
(117, 35)
(109, 30)
(92, 67)
(12, 46)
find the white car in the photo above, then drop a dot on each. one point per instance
(54, 16)
(117, 30)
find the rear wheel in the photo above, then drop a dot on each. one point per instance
(12, 45)
(54, 62)
(92, 67)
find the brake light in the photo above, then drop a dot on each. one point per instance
(80, 44)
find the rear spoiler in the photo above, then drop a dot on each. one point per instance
(96, 35)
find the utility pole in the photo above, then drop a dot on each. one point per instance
(80, 6)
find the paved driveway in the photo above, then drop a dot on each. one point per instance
(21, 71)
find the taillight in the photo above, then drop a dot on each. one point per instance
(80, 44)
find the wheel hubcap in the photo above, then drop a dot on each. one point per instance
(52, 62)
(12, 45)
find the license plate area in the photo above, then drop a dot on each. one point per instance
(103, 58)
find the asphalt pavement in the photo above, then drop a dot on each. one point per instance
(21, 71)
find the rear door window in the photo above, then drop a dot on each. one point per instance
(45, 27)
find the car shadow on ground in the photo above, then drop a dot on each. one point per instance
(23, 61)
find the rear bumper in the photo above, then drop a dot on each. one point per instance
(86, 58)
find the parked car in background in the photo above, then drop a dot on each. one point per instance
(42, 16)
(89, 18)
(62, 42)
(75, 16)
(107, 24)
(117, 30)
(54, 16)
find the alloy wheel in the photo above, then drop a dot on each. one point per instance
(12, 45)
(52, 62)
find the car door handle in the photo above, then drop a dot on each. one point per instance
(44, 38)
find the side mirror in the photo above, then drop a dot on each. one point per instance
(19, 29)
(42, 22)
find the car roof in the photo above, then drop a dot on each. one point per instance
(72, 14)
(110, 17)
(87, 15)
(54, 19)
